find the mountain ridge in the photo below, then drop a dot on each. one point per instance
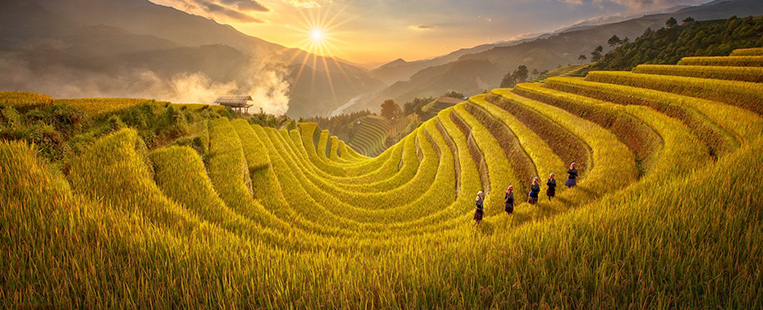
(86, 48)
(543, 52)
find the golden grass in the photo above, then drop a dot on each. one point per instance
(733, 61)
(742, 94)
(97, 106)
(281, 219)
(745, 74)
(755, 51)
(22, 100)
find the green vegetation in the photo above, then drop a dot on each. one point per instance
(368, 134)
(340, 125)
(693, 38)
(571, 70)
(512, 78)
(62, 128)
(25, 101)
(180, 206)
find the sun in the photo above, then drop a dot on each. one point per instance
(319, 29)
(317, 35)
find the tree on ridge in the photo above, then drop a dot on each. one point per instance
(596, 54)
(671, 22)
(390, 109)
(614, 41)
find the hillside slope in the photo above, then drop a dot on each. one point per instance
(545, 52)
(666, 212)
(119, 48)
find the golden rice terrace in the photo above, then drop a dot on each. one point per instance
(666, 214)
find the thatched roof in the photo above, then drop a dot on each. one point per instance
(234, 101)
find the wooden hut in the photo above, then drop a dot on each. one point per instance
(240, 104)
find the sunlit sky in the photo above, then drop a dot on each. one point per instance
(376, 31)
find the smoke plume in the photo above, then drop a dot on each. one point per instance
(264, 81)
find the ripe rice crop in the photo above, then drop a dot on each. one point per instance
(742, 94)
(254, 151)
(671, 146)
(181, 175)
(543, 157)
(566, 145)
(746, 74)
(756, 51)
(312, 139)
(643, 141)
(97, 106)
(500, 174)
(720, 125)
(24, 101)
(334, 151)
(734, 61)
(119, 176)
(353, 183)
(613, 164)
(255, 217)
(508, 141)
(382, 201)
(521, 256)
(230, 176)
(322, 148)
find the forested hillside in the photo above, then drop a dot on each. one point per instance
(679, 39)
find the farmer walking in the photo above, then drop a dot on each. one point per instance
(478, 213)
(534, 191)
(551, 183)
(509, 199)
(571, 180)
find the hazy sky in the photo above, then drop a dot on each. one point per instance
(366, 31)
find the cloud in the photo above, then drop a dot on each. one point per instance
(648, 4)
(230, 14)
(636, 4)
(266, 82)
(421, 27)
(228, 9)
(247, 5)
(307, 4)
(599, 20)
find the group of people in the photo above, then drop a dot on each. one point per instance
(532, 197)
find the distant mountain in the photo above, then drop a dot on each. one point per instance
(395, 71)
(147, 18)
(394, 64)
(544, 52)
(400, 70)
(435, 81)
(322, 84)
(136, 48)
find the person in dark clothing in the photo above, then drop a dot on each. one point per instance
(571, 180)
(534, 191)
(551, 183)
(509, 199)
(479, 212)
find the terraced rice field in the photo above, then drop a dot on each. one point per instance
(666, 214)
(370, 140)
(371, 137)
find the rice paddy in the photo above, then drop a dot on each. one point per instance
(666, 212)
